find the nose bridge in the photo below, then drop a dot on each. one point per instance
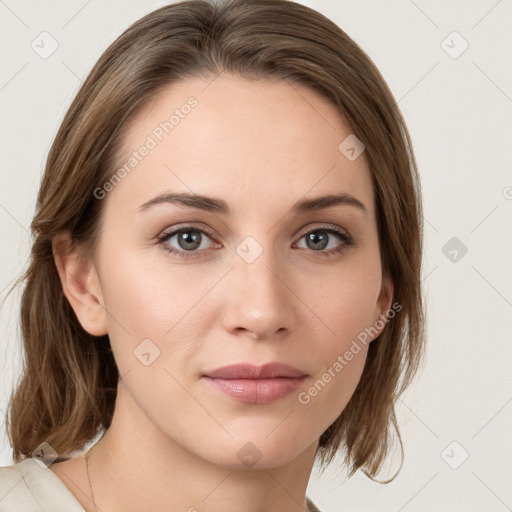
(257, 266)
(260, 300)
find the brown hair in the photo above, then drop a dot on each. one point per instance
(68, 385)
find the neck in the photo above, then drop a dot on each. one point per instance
(135, 466)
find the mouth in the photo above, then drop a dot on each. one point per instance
(256, 384)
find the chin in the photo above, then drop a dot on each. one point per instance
(246, 451)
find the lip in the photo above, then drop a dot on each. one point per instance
(251, 371)
(256, 384)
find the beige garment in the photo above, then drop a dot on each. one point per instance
(29, 486)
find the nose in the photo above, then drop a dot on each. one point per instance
(259, 300)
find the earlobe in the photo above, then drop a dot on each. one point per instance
(80, 284)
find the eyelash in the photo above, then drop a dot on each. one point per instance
(346, 239)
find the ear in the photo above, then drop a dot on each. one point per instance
(383, 306)
(80, 284)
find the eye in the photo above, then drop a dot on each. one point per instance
(320, 238)
(187, 241)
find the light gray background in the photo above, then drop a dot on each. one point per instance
(459, 111)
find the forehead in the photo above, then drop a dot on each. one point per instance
(237, 139)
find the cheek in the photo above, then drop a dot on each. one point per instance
(347, 307)
(159, 313)
(347, 304)
(151, 329)
(151, 298)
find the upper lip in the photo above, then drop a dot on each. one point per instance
(250, 371)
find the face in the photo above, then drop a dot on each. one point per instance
(253, 277)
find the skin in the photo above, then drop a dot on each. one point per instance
(260, 146)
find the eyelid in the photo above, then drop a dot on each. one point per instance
(325, 226)
(200, 226)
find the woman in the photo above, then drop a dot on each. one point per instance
(225, 276)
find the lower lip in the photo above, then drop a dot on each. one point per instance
(257, 391)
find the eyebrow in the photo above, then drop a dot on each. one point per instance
(220, 206)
